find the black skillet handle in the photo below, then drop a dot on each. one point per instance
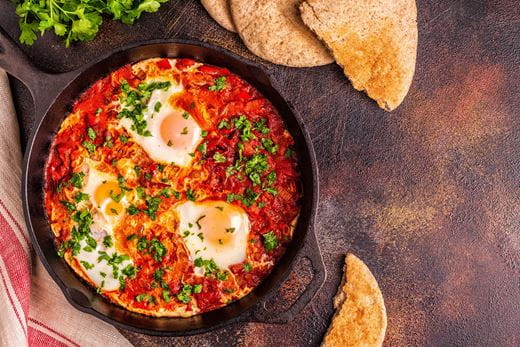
(44, 87)
(310, 250)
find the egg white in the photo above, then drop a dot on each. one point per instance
(103, 225)
(195, 221)
(154, 145)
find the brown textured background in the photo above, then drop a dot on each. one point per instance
(428, 196)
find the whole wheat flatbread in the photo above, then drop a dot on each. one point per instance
(360, 318)
(375, 41)
(273, 30)
(219, 10)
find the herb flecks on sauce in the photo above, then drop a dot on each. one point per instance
(245, 157)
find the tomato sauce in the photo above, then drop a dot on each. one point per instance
(271, 206)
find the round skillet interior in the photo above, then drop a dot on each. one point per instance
(83, 296)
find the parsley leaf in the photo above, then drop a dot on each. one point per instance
(219, 84)
(219, 158)
(76, 20)
(91, 133)
(89, 146)
(270, 241)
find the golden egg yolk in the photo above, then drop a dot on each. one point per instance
(102, 197)
(219, 224)
(179, 130)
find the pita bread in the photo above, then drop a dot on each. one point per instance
(360, 318)
(220, 12)
(375, 41)
(273, 30)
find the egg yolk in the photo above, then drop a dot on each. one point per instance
(219, 224)
(179, 130)
(103, 197)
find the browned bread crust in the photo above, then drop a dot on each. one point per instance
(375, 41)
(360, 318)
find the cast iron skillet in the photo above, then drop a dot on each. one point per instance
(53, 95)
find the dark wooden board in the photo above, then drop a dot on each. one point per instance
(427, 195)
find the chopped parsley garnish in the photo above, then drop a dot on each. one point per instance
(184, 294)
(134, 101)
(245, 127)
(185, 115)
(107, 241)
(197, 288)
(255, 166)
(153, 247)
(271, 178)
(87, 265)
(131, 237)
(203, 133)
(184, 131)
(250, 197)
(89, 146)
(289, 153)
(166, 295)
(81, 197)
(145, 297)
(108, 142)
(223, 124)
(130, 271)
(165, 192)
(222, 276)
(158, 275)
(261, 126)
(247, 267)
(132, 210)
(269, 145)
(121, 182)
(152, 205)
(69, 205)
(271, 191)
(123, 138)
(116, 197)
(157, 106)
(219, 84)
(209, 266)
(91, 133)
(203, 147)
(270, 241)
(142, 244)
(191, 195)
(219, 158)
(157, 249)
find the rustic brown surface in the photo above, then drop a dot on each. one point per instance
(428, 196)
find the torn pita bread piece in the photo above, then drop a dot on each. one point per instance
(274, 30)
(360, 318)
(219, 10)
(375, 41)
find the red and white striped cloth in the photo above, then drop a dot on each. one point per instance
(33, 311)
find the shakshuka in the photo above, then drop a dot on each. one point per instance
(172, 187)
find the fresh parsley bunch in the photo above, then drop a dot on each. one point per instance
(76, 20)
